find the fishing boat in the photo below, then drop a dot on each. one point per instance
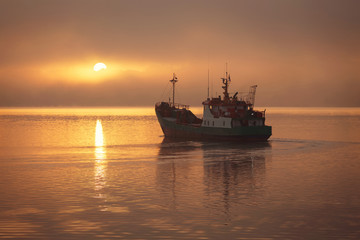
(224, 118)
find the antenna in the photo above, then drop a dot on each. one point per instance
(208, 82)
(212, 88)
(226, 70)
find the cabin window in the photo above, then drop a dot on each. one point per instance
(213, 123)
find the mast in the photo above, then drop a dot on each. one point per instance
(226, 81)
(173, 81)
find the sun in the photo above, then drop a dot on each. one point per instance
(99, 66)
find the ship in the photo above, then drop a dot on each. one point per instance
(230, 118)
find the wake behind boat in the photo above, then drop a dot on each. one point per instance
(227, 118)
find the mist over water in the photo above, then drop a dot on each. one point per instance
(109, 173)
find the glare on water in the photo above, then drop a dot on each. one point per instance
(99, 141)
(100, 158)
(99, 137)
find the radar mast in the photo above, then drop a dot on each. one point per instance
(173, 81)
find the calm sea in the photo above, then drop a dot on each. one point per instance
(109, 173)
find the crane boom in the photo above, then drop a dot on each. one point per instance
(251, 96)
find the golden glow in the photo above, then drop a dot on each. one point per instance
(100, 175)
(99, 138)
(103, 111)
(76, 72)
(100, 152)
(100, 158)
(99, 66)
(80, 71)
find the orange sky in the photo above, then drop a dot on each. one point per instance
(299, 53)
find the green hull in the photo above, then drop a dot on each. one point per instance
(189, 131)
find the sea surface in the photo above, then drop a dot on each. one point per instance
(109, 173)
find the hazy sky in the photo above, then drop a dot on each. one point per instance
(299, 53)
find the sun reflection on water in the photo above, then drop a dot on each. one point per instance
(99, 137)
(100, 158)
(100, 152)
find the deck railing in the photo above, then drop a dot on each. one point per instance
(180, 106)
(176, 105)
